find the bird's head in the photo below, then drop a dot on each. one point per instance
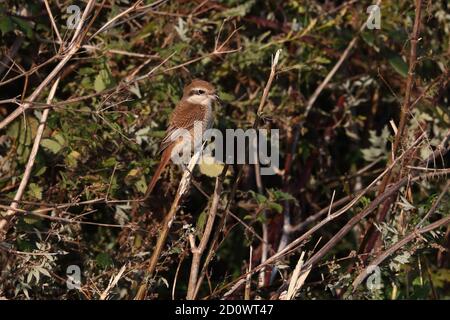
(200, 92)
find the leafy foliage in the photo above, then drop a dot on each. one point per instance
(100, 145)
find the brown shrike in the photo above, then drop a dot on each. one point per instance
(194, 107)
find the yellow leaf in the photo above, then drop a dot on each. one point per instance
(210, 167)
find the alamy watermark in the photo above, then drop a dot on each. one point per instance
(238, 146)
(374, 19)
(73, 21)
(373, 281)
(73, 273)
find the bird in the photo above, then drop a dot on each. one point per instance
(194, 106)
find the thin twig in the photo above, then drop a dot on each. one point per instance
(30, 163)
(336, 67)
(112, 283)
(117, 17)
(435, 205)
(248, 280)
(52, 20)
(298, 278)
(10, 55)
(265, 232)
(399, 244)
(73, 48)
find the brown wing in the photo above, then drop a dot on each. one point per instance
(183, 117)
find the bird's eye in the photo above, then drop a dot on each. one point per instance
(197, 92)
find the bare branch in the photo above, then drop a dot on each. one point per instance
(30, 163)
(198, 251)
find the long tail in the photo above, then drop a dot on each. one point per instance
(165, 158)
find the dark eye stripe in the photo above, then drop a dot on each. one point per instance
(197, 91)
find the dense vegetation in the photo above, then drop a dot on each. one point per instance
(364, 123)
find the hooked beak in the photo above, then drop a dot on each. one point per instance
(216, 98)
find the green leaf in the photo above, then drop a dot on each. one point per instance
(146, 31)
(276, 206)
(441, 277)
(322, 60)
(86, 83)
(40, 171)
(35, 191)
(110, 162)
(13, 129)
(238, 11)
(72, 159)
(260, 199)
(99, 84)
(59, 138)
(51, 145)
(399, 65)
(201, 221)
(24, 25)
(103, 80)
(30, 219)
(6, 24)
(103, 260)
(369, 38)
(24, 245)
(86, 71)
(137, 241)
(140, 185)
(280, 195)
(226, 97)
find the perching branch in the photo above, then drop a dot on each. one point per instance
(167, 223)
(262, 103)
(197, 251)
